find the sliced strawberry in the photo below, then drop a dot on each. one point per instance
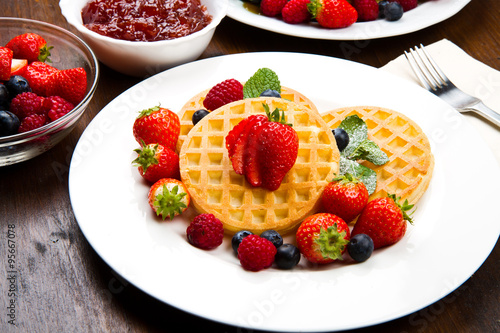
(41, 78)
(18, 67)
(5, 63)
(251, 157)
(71, 84)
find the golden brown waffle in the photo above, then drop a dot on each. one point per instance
(196, 103)
(410, 166)
(216, 188)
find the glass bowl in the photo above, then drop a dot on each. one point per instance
(69, 51)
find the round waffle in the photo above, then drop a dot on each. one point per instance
(196, 103)
(215, 187)
(410, 166)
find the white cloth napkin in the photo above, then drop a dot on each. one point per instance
(470, 75)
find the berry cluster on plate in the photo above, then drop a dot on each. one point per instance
(34, 93)
(334, 14)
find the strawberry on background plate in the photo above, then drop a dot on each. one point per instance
(384, 220)
(272, 8)
(168, 197)
(333, 13)
(368, 10)
(295, 11)
(154, 162)
(157, 125)
(345, 196)
(322, 238)
(30, 46)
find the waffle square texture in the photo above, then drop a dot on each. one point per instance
(216, 188)
(196, 103)
(411, 163)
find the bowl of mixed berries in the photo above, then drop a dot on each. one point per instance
(47, 78)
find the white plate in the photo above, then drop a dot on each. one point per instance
(109, 199)
(425, 15)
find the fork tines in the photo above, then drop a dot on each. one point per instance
(424, 67)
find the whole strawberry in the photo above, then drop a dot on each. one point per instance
(26, 104)
(41, 78)
(30, 46)
(345, 196)
(71, 84)
(5, 63)
(168, 197)
(157, 125)
(333, 14)
(368, 10)
(322, 238)
(205, 232)
(222, 93)
(154, 162)
(256, 253)
(272, 8)
(296, 11)
(56, 107)
(384, 220)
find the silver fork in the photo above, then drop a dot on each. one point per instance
(434, 80)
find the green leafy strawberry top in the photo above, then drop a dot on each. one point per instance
(360, 148)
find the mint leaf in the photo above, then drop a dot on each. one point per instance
(369, 151)
(357, 130)
(365, 174)
(263, 79)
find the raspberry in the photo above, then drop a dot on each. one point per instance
(205, 232)
(368, 10)
(272, 7)
(32, 122)
(26, 104)
(56, 107)
(295, 11)
(407, 4)
(222, 93)
(256, 253)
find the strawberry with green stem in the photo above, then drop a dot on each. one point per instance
(157, 125)
(154, 162)
(30, 46)
(168, 197)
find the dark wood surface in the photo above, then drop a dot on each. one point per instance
(64, 286)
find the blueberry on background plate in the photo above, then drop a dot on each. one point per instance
(393, 11)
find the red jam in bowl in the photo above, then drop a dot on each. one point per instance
(145, 20)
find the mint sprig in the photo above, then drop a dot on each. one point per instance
(262, 80)
(360, 148)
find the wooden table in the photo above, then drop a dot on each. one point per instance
(63, 284)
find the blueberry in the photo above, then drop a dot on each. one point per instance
(270, 93)
(237, 238)
(16, 85)
(393, 11)
(360, 247)
(199, 115)
(381, 7)
(273, 236)
(9, 123)
(4, 97)
(341, 137)
(287, 256)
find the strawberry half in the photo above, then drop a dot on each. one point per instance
(30, 46)
(6, 55)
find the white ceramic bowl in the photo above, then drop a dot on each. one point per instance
(143, 59)
(69, 51)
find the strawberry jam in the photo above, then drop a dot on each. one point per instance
(145, 20)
